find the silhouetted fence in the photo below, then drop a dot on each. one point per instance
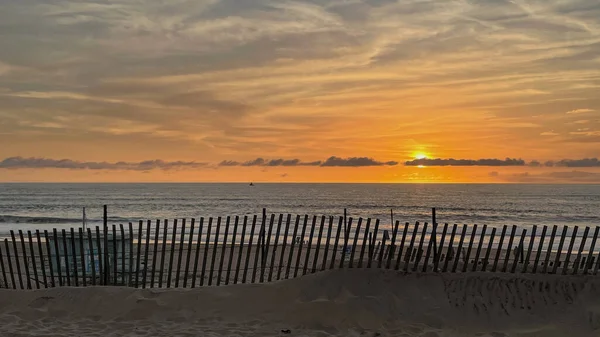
(220, 251)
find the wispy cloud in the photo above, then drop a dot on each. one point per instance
(579, 111)
(300, 79)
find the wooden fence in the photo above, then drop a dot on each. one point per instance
(221, 251)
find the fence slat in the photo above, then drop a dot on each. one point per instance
(154, 252)
(258, 250)
(327, 242)
(509, 248)
(223, 250)
(586, 232)
(569, 252)
(42, 262)
(106, 274)
(123, 249)
(438, 254)
(346, 240)
(189, 253)
(336, 244)
(4, 278)
(372, 244)
(241, 251)
(57, 251)
(470, 248)
(66, 251)
(549, 250)
(198, 246)
(138, 253)
(114, 249)
(499, 251)
(411, 246)
(265, 245)
(365, 244)
(131, 266)
(381, 253)
(486, 260)
(25, 262)
(392, 245)
(597, 264)
(355, 242)
(100, 256)
(249, 253)
(172, 254)
(74, 252)
(232, 251)
(479, 247)
(146, 252)
(16, 254)
(92, 257)
(265, 248)
(163, 255)
(420, 247)
(400, 250)
(539, 250)
(283, 249)
(450, 251)
(560, 247)
(519, 251)
(320, 235)
(309, 245)
(292, 247)
(10, 266)
(275, 246)
(529, 249)
(214, 252)
(82, 257)
(180, 257)
(589, 261)
(430, 247)
(33, 263)
(459, 249)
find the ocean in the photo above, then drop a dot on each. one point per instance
(45, 205)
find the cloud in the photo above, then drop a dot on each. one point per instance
(465, 162)
(356, 162)
(586, 162)
(553, 177)
(579, 111)
(45, 163)
(332, 161)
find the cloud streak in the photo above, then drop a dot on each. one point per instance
(45, 163)
(466, 162)
(332, 161)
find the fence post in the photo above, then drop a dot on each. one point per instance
(292, 247)
(560, 247)
(549, 250)
(401, 249)
(309, 246)
(529, 249)
(154, 253)
(316, 258)
(283, 249)
(223, 250)
(355, 243)
(266, 248)
(327, 242)
(249, 253)
(25, 262)
(470, 248)
(509, 248)
(180, 257)
(275, 244)
(571, 244)
(450, 248)
(411, 246)
(519, 251)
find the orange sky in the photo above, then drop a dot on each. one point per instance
(209, 81)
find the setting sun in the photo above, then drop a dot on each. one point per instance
(420, 155)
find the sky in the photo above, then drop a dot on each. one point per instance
(300, 91)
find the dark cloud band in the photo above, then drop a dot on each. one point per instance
(39, 163)
(332, 161)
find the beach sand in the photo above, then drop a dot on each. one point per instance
(348, 302)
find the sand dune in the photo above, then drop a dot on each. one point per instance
(350, 302)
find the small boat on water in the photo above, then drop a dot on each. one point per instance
(251, 184)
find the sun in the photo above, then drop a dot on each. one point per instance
(420, 155)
